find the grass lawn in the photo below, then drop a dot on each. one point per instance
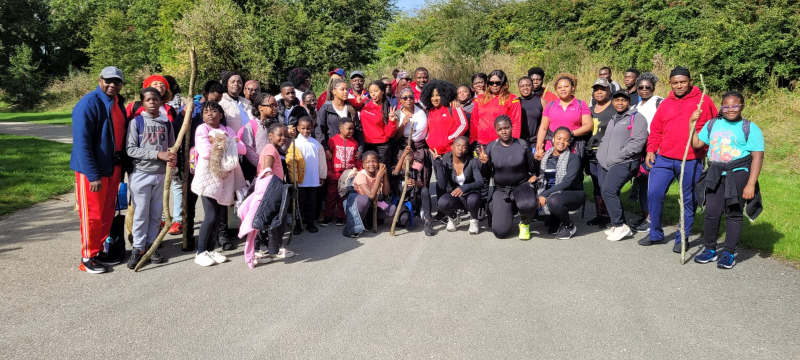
(32, 170)
(54, 117)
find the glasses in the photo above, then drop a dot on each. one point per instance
(731, 108)
(270, 105)
(645, 87)
(407, 97)
(495, 83)
(115, 82)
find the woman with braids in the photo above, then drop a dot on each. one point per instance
(479, 81)
(378, 122)
(560, 185)
(335, 108)
(511, 164)
(461, 176)
(237, 108)
(647, 105)
(254, 135)
(494, 102)
(568, 112)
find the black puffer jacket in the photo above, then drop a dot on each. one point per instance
(295, 115)
(271, 213)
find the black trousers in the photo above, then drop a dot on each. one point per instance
(213, 216)
(642, 181)
(716, 206)
(612, 181)
(307, 201)
(384, 151)
(501, 207)
(562, 203)
(466, 202)
(599, 204)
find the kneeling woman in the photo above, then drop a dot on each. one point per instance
(511, 162)
(560, 184)
(460, 176)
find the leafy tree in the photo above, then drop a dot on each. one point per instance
(23, 82)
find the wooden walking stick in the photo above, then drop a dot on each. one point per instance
(185, 186)
(375, 208)
(187, 120)
(405, 180)
(681, 225)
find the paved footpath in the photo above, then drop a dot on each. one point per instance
(60, 133)
(452, 296)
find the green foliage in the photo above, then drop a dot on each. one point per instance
(23, 81)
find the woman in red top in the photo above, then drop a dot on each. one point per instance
(494, 102)
(446, 119)
(159, 82)
(378, 130)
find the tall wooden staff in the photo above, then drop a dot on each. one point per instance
(185, 186)
(187, 120)
(681, 225)
(405, 180)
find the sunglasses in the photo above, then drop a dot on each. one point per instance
(270, 105)
(645, 87)
(407, 98)
(731, 108)
(495, 83)
(115, 82)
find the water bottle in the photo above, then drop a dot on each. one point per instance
(107, 244)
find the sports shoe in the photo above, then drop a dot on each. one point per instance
(311, 228)
(341, 221)
(619, 232)
(524, 232)
(566, 232)
(134, 259)
(104, 259)
(677, 247)
(217, 257)
(642, 226)
(92, 266)
(283, 253)
(327, 221)
(452, 223)
(429, 231)
(156, 258)
(552, 229)
(474, 228)
(176, 229)
(706, 256)
(646, 241)
(204, 259)
(609, 231)
(727, 261)
(440, 216)
(297, 230)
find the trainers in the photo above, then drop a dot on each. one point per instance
(642, 226)
(283, 253)
(311, 228)
(677, 247)
(440, 216)
(134, 259)
(404, 219)
(204, 259)
(524, 232)
(341, 221)
(176, 229)
(452, 223)
(217, 257)
(727, 261)
(646, 241)
(706, 256)
(327, 221)
(566, 232)
(104, 259)
(92, 266)
(619, 232)
(474, 228)
(156, 258)
(552, 229)
(608, 231)
(297, 230)
(429, 231)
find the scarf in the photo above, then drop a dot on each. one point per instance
(561, 172)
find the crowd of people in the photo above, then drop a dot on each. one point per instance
(363, 154)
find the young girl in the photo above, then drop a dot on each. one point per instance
(370, 183)
(254, 134)
(215, 191)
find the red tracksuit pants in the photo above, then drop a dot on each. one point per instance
(333, 203)
(96, 210)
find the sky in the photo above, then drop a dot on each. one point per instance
(407, 5)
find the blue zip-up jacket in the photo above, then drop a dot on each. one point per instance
(93, 135)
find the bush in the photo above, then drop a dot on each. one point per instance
(23, 83)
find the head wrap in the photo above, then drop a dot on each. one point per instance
(404, 90)
(403, 75)
(251, 82)
(152, 78)
(679, 70)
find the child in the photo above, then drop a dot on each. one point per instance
(417, 193)
(730, 183)
(213, 181)
(345, 156)
(316, 170)
(150, 135)
(271, 159)
(370, 183)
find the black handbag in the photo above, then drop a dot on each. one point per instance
(114, 246)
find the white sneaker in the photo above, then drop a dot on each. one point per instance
(473, 226)
(204, 259)
(217, 257)
(609, 231)
(452, 223)
(283, 253)
(619, 233)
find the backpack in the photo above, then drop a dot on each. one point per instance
(745, 127)
(139, 121)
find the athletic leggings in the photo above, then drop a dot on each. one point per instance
(466, 202)
(599, 204)
(642, 182)
(214, 213)
(716, 205)
(560, 204)
(612, 181)
(501, 208)
(384, 151)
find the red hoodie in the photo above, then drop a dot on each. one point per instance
(444, 127)
(483, 116)
(669, 130)
(344, 157)
(416, 91)
(376, 131)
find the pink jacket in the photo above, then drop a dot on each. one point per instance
(205, 183)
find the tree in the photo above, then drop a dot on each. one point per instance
(23, 82)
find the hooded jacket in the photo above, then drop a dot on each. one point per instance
(446, 174)
(143, 145)
(93, 140)
(445, 124)
(294, 115)
(376, 130)
(669, 130)
(328, 125)
(483, 116)
(624, 139)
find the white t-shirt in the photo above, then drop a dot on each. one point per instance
(460, 179)
(420, 121)
(342, 113)
(648, 109)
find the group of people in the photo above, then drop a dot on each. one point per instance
(364, 152)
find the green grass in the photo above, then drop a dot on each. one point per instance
(53, 117)
(32, 170)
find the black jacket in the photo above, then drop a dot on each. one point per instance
(271, 211)
(328, 125)
(295, 115)
(446, 174)
(712, 177)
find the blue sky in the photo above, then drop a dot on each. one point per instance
(406, 5)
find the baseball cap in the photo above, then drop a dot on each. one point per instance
(111, 72)
(339, 72)
(601, 82)
(357, 73)
(621, 92)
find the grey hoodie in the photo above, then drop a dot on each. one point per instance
(621, 144)
(157, 135)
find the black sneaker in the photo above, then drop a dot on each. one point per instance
(440, 217)
(429, 231)
(156, 258)
(566, 232)
(104, 259)
(134, 259)
(641, 226)
(228, 246)
(646, 241)
(297, 230)
(311, 228)
(553, 227)
(327, 221)
(341, 221)
(677, 247)
(92, 266)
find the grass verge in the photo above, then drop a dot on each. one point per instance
(53, 117)
(32, 170)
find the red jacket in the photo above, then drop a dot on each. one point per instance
(351, 98)
(139, 109)
(416, 92)
(669, 130)
(444, 127)
(483, 116)
(344, 157)
(376, 131)
(322, 99)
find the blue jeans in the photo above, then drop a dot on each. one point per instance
(664, 172)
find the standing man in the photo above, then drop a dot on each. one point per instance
(98, 135)
(605, 73)
(669, 133)
(358, 94)
(421, 78)
(630, 84)
(290, 109)
(537, 82)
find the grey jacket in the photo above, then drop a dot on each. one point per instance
(622, 144)
(144, 144)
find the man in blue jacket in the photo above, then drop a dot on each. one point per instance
(98, 135)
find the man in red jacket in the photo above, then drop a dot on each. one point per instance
(669, 133)
(421, 78)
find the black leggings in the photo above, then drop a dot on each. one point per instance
(211, 221)
(384, 151)
(599, 204)
(501, 208)
(562, 203)
(466, 202)
(715, 206)
(612, 181)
